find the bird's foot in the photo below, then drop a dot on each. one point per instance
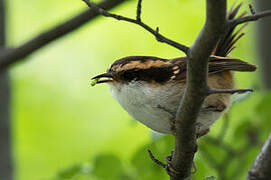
(171, 171)
(169, 168)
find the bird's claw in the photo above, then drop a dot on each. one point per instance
(169, 168)
(173, 172)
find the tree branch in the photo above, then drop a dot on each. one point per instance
(6, 166)
(253, 17)
(138, 13)
(228, 91)
(159, 37)
(156, 161)
(14, 55)
(185, 139)
(260, 170)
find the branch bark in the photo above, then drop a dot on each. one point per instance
(197, 88)
(260, 170)
(253, 17)
(10, 56)
(5, 140)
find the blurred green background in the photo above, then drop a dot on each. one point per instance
(65, 129)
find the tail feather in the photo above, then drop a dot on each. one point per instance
(227, 42)
(217, 64)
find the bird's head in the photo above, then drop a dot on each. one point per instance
(138, 68)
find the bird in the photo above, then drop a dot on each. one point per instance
(150, 88)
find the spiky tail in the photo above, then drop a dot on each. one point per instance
(227, 42)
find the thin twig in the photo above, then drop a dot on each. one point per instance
(11, 56)
(138, 21)
(253, 17)
(228, 91)
(138, 12)
(252, 11)
(262, 165)
(194, 170)
(163, 165)
(196, 86)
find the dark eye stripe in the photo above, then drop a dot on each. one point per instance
(157, 74)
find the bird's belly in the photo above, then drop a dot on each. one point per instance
(146, 105)
(151, 116)
(206, 119)
(156, 107)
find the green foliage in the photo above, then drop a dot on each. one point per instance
(216, 156)
(75, 172)
(144, 166)
(110, 167)
(107, 167)
(210, 178)
(59, 121)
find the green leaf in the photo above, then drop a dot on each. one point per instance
(74, 171)
(108, 167)
(263, 108)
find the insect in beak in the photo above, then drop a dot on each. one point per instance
(107, 75)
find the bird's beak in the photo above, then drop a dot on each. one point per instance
(107, 75)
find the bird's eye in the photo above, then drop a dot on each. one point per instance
(129, 75)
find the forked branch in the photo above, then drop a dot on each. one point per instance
(228, 91)
(159, 37)
(260, 170)
(138, 12)
(11, 56)
(253, 17)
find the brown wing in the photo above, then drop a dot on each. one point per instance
(216, 64)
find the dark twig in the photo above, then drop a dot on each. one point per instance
(163, 165)
(196, 87)
(228, 91)
(14, 55)
(194, 168)
(252, 11)
(253, 17)
(172, 113)
(138, 21)
(260, 170)
(6, 158)
(138, 13)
